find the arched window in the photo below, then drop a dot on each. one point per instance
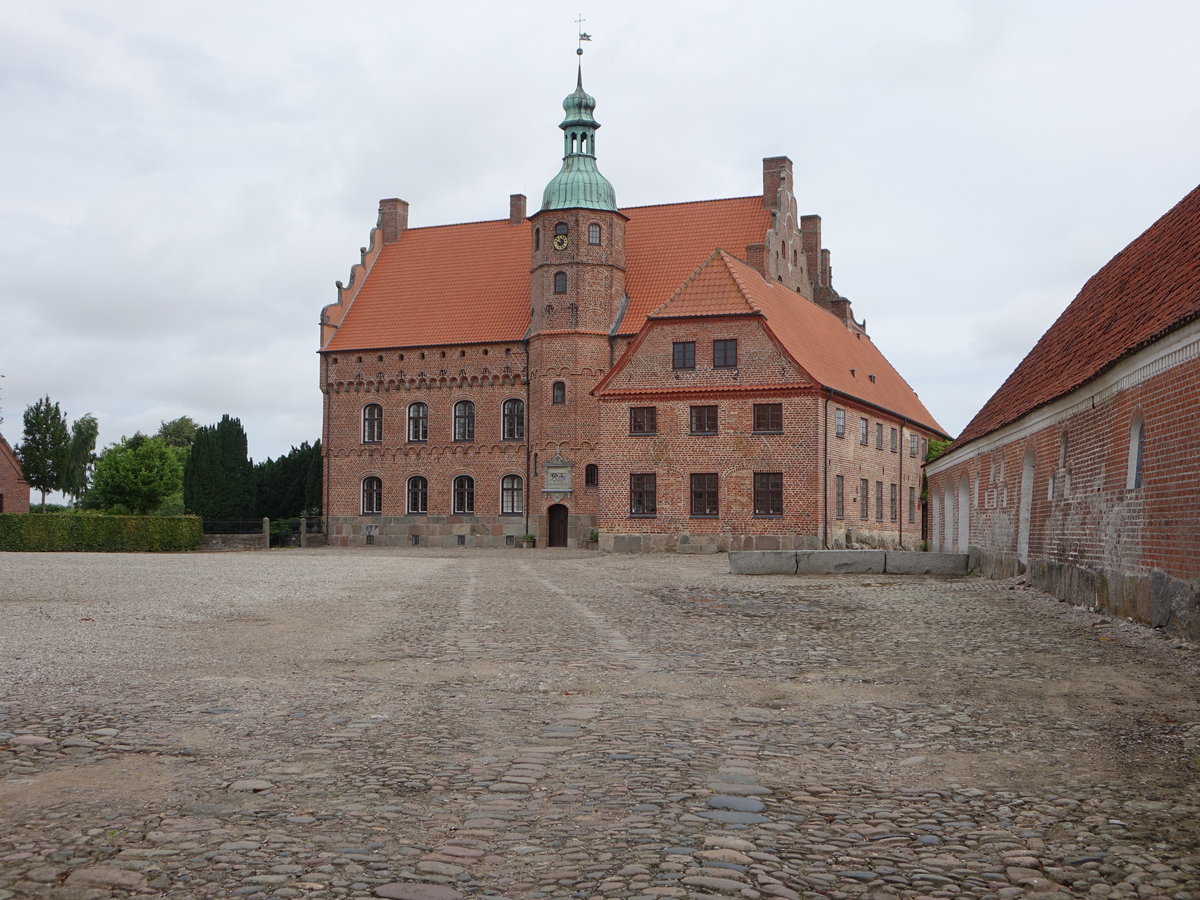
(372, 416)
(558, 393)
(418, 495)
(561, 228)
(513, 424)
(464, 420)
(591, 475)
(464, 494)
(512, 495)
(418, 422)
(1137, 442)
(560, 282)
(594, 234)
(372, 495)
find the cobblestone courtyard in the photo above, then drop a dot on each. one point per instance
(430, 725)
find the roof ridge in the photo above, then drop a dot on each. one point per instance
(693, 202)
(679, 290)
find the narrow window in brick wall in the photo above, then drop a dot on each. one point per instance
(839, 496)
(464, 420)
(864, 498)
(704, 494)
(683, 355)
(879, 501)
(594, 234)
(912, 505)
(512, 495)
(418, 422)
(703, 419)
(878, 435)
(768, 493)
(643, 495)
(924, 447)
(591, 475)
(913, 440)
(895, 501)
(558, 393)
(513, 420)
(863, 432)
(895, 440)
(768, 417)
(418, 495)
(372, 495)
(839, 419)
(464, 494)
(560, 282)
(372, 423)
(725, 354)
(1137, 445)
(643, 420)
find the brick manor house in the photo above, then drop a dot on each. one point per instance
(674, 377)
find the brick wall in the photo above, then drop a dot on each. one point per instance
(14, 490)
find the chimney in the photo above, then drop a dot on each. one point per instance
(810, 242)
(393, 219)
(826, 270)
(777, 172)
(516, 209)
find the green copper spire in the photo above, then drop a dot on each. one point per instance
(579, 184)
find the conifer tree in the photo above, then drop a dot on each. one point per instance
(218, 480)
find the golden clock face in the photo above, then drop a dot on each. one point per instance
(560, 242)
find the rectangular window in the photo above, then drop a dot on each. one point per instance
(768, 493)
(643, 495)
(839, 418)
(895, 500)
(863, 432)
(839, 497)
(768, 417)
(895, 440)
(643, 419)
(912, 445)
(724, 354)
(683, 355)
(703, 420)
(924, 447)
(912, 505)
(704, 494)
(878, 435)
(879, 501)
(864, 498)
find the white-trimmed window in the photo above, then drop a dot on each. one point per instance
(464, 420)
(372, 495)
(372, 423)
(418, 495)
(464, 494)
(512, 495)
(513, 420)
(418, 422)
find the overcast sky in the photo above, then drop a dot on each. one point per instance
(182, 183)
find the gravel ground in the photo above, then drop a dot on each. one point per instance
(429, 725)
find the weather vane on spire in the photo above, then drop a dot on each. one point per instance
(583, 35)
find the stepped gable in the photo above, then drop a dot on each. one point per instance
(819, 342)
(1148, 289)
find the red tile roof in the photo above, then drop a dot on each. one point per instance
(469, 283)
(834, 355)
(1148, 289)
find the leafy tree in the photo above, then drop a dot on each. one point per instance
(44, 449)
(178, 432)
(81, 456)
(135, 475)
(218, 480)
(285, 485)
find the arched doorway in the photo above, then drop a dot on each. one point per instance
(558, 525)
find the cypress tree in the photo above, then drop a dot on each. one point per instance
(218, 482)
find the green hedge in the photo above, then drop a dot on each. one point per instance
(99, 534)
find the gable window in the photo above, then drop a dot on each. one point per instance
(725, 354)
(839, 496)
(683, 355)
(864, 497)
(768, 417)
(512, 495)
(464, 494)
(839, 422)
(1137, 443)
(464, 420)
(560, 282)
(643, 420)
(643, 495)
(372, 495)
(768, 493)
(594, 234)
(591, 475)
(372, 423)
(703, 419)
(878, 435)
(704, 494)
(418, 495)
(513, 424)
(558, 393)
(418, 422)
(863, 432)
(895, 440)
